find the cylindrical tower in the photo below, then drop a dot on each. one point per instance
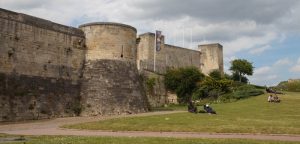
(111, 84)
(106, 40)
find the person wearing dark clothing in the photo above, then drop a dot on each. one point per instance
(208, 109)
(269, 90)
(192, 108)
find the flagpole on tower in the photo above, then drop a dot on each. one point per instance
(154, 52)
(157, 46)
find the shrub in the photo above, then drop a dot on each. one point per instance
(246, 91)
(77, 108)
(150, 82)
(215, 74)
(212, 88)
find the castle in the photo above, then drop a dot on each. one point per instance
(51, 70)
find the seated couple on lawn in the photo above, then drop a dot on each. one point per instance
(207, 109)
(272, 98)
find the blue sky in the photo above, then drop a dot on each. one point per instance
(265, 32)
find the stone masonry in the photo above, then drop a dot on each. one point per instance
(50, 70)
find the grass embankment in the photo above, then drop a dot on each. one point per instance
(125, 140)
(253, 115)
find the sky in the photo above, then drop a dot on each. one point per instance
(264, 32)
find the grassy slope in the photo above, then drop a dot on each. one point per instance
(124, 140)
(253, 115)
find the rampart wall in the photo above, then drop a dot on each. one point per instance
(207, 58)
(40, 67)
(51, 70)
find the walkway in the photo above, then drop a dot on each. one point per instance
(52, 127)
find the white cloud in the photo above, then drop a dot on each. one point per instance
(258, 51)
(247, 43)
(276, 72)
(298, 62)
(187, 24)
(262, 70)
(283, 62)
(295, 68)
(229, 59)
(271, 77)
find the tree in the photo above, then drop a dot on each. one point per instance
(183, 81)
(236, 77)
(241, 67)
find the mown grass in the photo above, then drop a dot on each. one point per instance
(253, 115)
(133, 140)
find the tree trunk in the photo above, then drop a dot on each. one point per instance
(240, 75)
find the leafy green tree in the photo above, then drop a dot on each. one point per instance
(172, 79)
(241, 67)
(183, 81)
(236, 77)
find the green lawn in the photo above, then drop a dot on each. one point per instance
(126, 140)
(253, 115)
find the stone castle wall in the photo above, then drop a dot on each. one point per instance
(111, 83)
(207, 58)
(168, 57)
(40, 66)
(51, 70)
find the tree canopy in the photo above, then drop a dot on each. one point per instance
(183, 81)
(241, 67)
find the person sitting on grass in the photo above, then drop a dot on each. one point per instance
(192, 108)
(276, 99)
(270, 98)
(208, 109)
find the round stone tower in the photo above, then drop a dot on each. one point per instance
(111, 84)
(110, 41)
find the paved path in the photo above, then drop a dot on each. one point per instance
(52, 127)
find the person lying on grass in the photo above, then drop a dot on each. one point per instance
(208, 109)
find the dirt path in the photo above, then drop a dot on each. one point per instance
(52, 127)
